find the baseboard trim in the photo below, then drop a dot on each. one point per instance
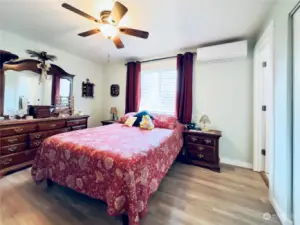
(237, 163)
(281, 215)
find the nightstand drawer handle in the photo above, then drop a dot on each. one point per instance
(194, 138)
(200, 156)
(38, 136)
(53, 125)
(207, 141)
(200, 148)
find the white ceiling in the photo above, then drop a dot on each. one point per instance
(173, 25)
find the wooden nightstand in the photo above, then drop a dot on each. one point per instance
(108, 122)
(202, 148)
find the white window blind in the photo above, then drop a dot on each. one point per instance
(158, 88)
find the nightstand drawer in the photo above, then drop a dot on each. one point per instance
(200, 140)
(201, 148)
(204, 155)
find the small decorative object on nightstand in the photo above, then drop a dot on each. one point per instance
(108, 122)
(204, 120)
(202, 148)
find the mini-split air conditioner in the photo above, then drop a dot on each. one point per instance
(222, 52)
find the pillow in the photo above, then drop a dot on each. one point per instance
(146, 123)
(130, 121)
(126, 116)
(165, 121)
(140, 117)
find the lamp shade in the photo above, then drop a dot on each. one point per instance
(113, 110)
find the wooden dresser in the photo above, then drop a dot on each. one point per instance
(20, 139)
(202, 148)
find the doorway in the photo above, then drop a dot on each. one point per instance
(264, 105)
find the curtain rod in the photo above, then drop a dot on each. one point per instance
(157, 59)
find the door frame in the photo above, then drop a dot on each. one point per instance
(266, 38)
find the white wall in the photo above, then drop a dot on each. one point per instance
(79, 67)
(282, 187)
(114, 74)
(223, 90)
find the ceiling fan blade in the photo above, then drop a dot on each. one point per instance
(134, 32)
(119, 10)
(79, 12)
(118, 43)
(90, 32)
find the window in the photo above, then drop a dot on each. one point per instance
(158, 90)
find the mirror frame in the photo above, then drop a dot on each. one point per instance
(7, 63)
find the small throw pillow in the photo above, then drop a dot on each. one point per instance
(130, 121)
(146, 123)
(140, 117)
(126, 116)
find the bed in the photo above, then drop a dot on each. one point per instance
(120, 165)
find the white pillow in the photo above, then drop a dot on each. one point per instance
(130, 121)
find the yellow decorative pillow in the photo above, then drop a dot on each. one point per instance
(146, 123)
(130, 121)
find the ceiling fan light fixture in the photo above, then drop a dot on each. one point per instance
(108, 30)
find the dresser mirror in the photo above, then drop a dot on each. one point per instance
(23, 88)
(21, 84)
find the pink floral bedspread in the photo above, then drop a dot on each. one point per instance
(120, 165)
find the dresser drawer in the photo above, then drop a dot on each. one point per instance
(39, 135)
(45, 134)
(10, 149)
(201, 152)
(13, 140)
(59, 131)
(51, 125)
(17, 158)
(79, 127)
(72, 123)
(22, 129)
(200, 140)
(35, 143)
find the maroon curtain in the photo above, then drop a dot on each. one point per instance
(133, 87)
(184, 97)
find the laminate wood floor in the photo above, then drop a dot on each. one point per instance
(188, 195)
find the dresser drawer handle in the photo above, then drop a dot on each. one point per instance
(12, 149)
(200, 148)
(27, 152)
(12, 140)
(53, 125)
(7, 161)
(37, 143)
(207, 141)
(200, 156)
(38, 136)
(194, 138)
(18, 129)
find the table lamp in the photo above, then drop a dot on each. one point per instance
(114, 113)
(204, 121)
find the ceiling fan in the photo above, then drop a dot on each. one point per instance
(109, 21)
